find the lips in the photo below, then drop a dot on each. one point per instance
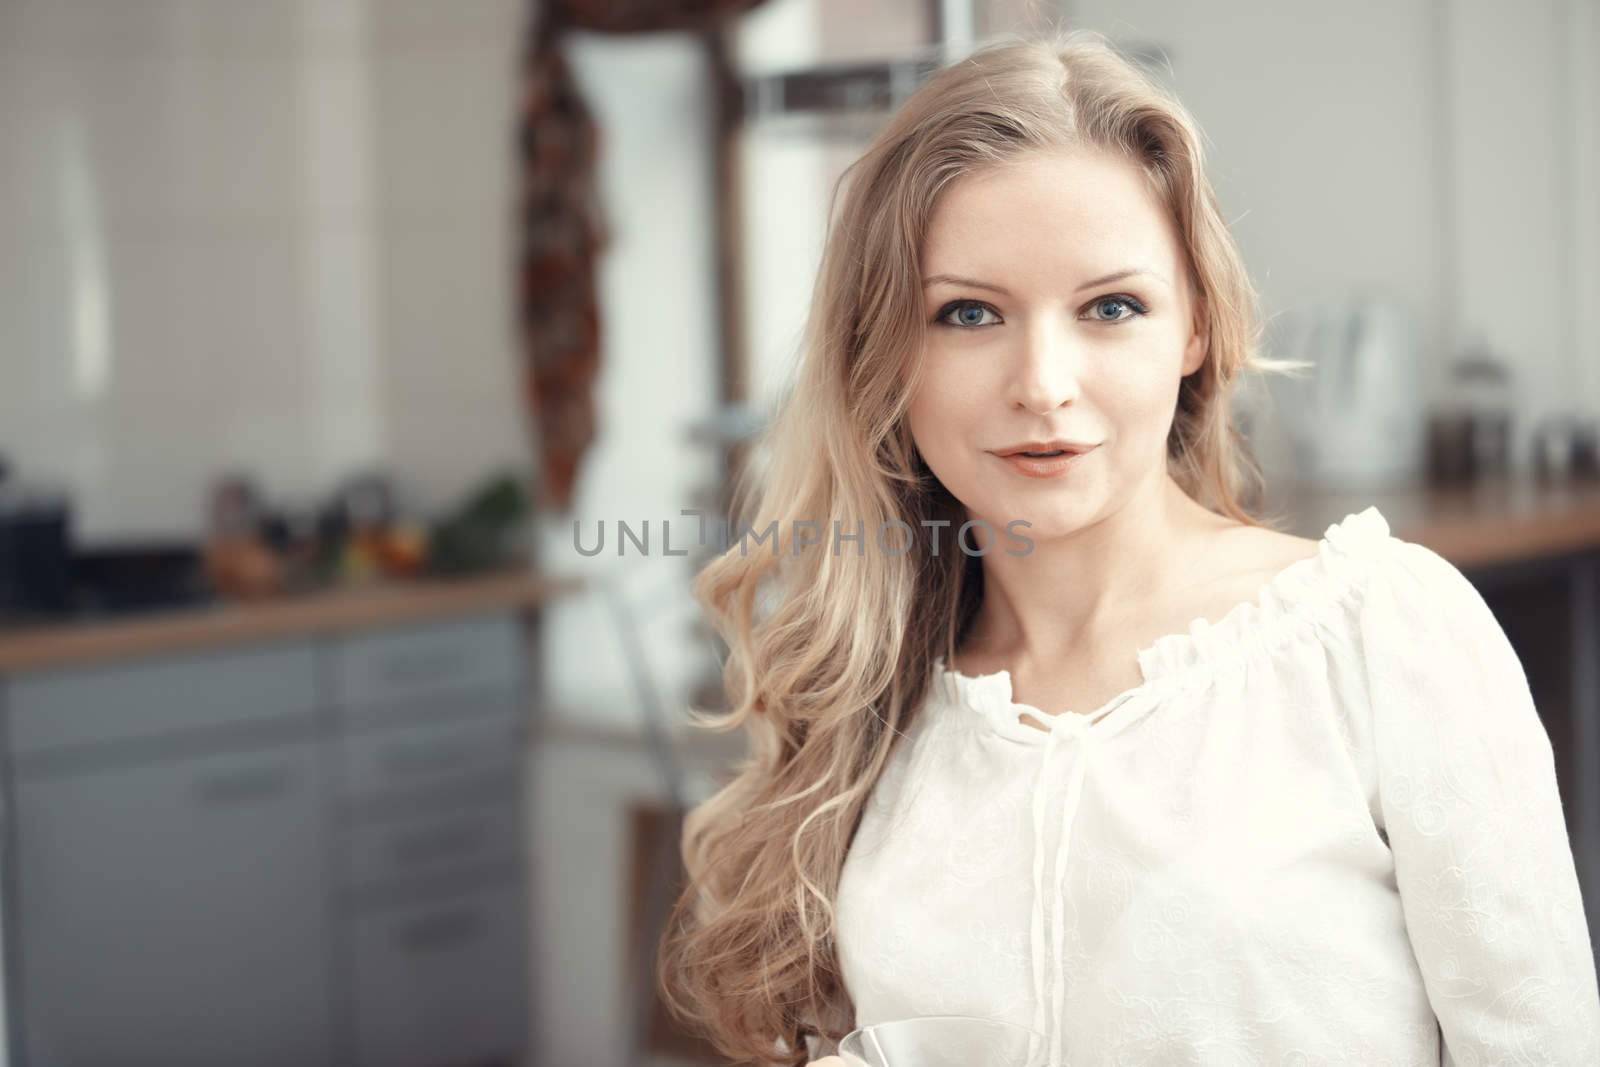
(1044, 449)
(1056, 464)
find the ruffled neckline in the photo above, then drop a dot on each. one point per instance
(1343, 552)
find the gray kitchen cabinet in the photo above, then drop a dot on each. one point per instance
(285, 852)
(382, 676)
(175, 913)
(485, 736)
(431, 742)
(441, 981)
(386, 853)
(235, 692)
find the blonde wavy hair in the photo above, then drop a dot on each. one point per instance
(830, 655)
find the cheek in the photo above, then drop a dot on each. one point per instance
(923, 417)
(938, 429)
(1138, 390)
(956, 385)
(946, 406)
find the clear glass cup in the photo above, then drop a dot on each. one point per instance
(944, 1041)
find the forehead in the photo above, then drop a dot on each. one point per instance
(1073, 209)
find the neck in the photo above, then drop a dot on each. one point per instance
(1039, 606)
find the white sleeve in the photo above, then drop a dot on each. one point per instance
(1468, 801)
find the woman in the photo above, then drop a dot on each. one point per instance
(1071, 739)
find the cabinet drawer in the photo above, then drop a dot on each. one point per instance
(442, 983)
(147, 891)
(121, 702)
(384, 853)
(412, 662)
(437, 754)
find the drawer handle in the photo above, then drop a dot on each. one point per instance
(437, 843)
(426, 756)
(439, 930)
(426, 665)
(245, 786)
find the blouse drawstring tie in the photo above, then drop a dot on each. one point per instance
(1084, 730)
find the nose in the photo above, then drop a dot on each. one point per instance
(1047, 372)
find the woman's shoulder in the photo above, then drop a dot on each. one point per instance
(1235, 558)
(1249, 564)
(1412, 585)
(1358, 578)
(1248, 556)
(1358, 558)
(1401, 593)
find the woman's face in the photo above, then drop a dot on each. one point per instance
(1036, 332)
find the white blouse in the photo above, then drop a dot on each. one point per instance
(1323, 830)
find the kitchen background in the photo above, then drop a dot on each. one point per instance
(295, 363)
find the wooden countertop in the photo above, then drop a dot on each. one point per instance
(56, 644)
(1497, 522)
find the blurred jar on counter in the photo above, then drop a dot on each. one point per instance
(1566, 448)
(238, 560)
(1469, 434)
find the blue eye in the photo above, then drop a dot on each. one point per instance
(1135, 308)
(967, 319)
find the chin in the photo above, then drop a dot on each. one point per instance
(1043, 530)
(1044, 523)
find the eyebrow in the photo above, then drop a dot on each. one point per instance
(973, 283)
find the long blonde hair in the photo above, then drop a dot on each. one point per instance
(830, 653)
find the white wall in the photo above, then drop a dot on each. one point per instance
(1581, 36)
(445, 92)
(1515, 199)
(783, 163)
(261, 234)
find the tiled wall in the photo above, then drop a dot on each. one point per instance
(271, 235)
